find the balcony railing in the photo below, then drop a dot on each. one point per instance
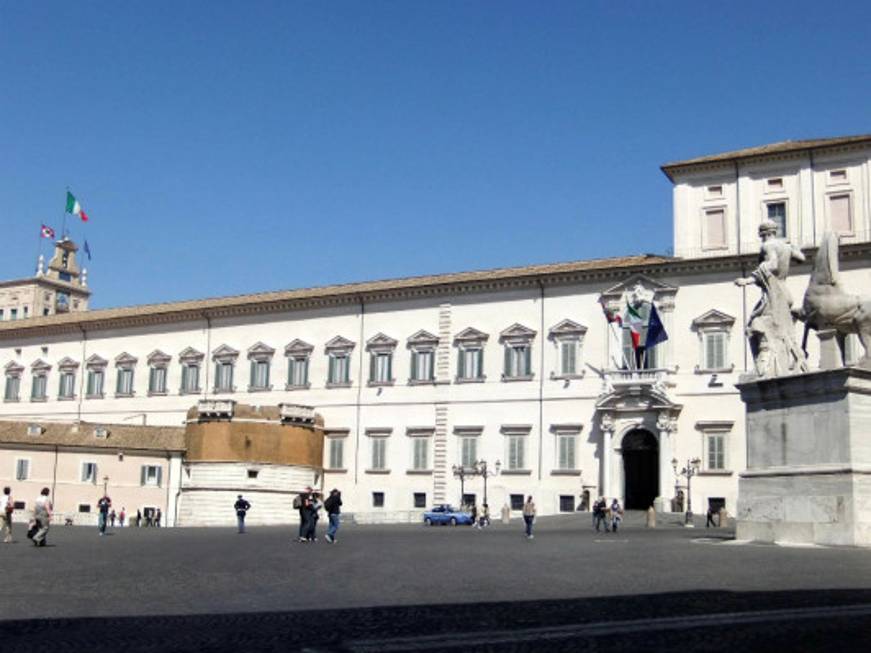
(297, 414)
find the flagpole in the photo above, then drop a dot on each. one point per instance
(63, 229)
(39, 248)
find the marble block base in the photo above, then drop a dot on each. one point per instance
(808, 478)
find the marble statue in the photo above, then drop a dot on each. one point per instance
(827, 306)
(771, 329)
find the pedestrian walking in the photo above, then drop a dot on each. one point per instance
(299, 502)
(42, 517)
(474, 514)
(333, 506)
(616, 514)
(241, 507)
(112, 518)
(484, 517)
(710, 518)
(529, 516)
(8, 508)
(313, 506)
(138, 518)
(157, 517)
(600, 518)
(121, 516)
(103, 504)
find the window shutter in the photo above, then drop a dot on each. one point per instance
(527, 360)
(373, 366)
(508, 352)
(461, 363)
(142, 474)
(159, 476)
(389, 367)
(414, 364)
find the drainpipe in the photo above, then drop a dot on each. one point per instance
(744, 313)
(541, 381)
(168, 485)
(208, 358)
(738, 206)
(359, 389)
(82, 375)
(813, 200)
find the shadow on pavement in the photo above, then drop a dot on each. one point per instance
(821, 620)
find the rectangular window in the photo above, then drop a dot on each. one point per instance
(297, 371)
(253, 473)
(379, 453)
(777, 214)
(716, 452)
(715, 192)
(468, 451)
(518, 361)
(566, 503)
(95, 383)
(566, 451)
(517, 502)
(22, 469)
(84, 507)
(89, 472)
(13, 383)
(26, 308)
(422, 365)
(420, 499)
(377, 499)
(470, 364)
(190, 378)
(260, 374)
(67, 388)
(840, 214)
(714, 228)
(469, 500)
(569, 357)
(337, 453)
(124, 382)
(339, 372)
(157, 380)
(420, 453)
(516, 452)
(151, 475)
(38, 387)
(838, 177)
(775, 185)
(715, 351)
(13, 314)
(380, 367)
(223, 377)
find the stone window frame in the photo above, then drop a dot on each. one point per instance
(422, 342)
(567, 331)
(15, 371)
(67, 366)
(297, 350)
(92, 478)
(416, 434)
(39, 369)
(381, 434)
(260, 352)
(158, 360)
(514, 336)
(190, 357)
(125, 362)
(520, 433)
(224, 355)
(561, 431)
(331, 435)
(339, 345)
(780, 198)
(17, 461)
(707, 208)
(851, 205)
(376, 346)
(467, 432)
(713, 321)
(838, 177)
(708, 428)
(95, 364)
(469, 338)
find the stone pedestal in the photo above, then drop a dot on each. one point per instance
(808, 477)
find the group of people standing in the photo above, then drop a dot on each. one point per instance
(610, 517)
(309, 505)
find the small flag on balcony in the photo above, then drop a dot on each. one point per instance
(75, 208)
(610, 315)
(655, 329)
(47, 232)
(87, 250)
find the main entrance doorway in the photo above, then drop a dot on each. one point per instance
(640, 469)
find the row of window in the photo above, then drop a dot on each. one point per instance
(149, 475)
(567, 502)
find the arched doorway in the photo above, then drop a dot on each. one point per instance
(640, 469)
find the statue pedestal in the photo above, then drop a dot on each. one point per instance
(808, 477)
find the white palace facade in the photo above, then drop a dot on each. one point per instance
(415, 377)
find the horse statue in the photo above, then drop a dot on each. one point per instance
(828, 306)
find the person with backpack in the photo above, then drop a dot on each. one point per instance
(241, 507)
(103, 505)
(600, 517)
(41, 518)
(333, 506)
(616, 514)
(299, 504)
(6, 511)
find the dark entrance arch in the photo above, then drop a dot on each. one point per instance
(640, 469)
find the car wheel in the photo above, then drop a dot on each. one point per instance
(453, 521)
(427, 521)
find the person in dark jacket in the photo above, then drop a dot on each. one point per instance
(299, 503)
(241, 507)
(312, 507)
(333, 505)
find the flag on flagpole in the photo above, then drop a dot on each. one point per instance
(87, 250)
(610, 315)
(47, 232)
(75, 208)
(636, 317)
(655, 329)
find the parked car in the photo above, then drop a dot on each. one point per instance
(445, 514)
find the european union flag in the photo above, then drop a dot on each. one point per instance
(87, 250)
(655, 330)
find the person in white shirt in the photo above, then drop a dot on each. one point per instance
(6, 511)
(42, 517)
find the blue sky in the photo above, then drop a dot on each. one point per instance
(224, 148)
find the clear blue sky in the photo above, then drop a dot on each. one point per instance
(225, 148)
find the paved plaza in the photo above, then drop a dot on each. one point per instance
(413, 587)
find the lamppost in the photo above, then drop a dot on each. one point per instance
(461, 473)
(105, 485)
(483, 471)
(691, 469)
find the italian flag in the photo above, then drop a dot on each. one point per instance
(75, 208)
(636, 323)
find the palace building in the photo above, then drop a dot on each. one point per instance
(413, 380)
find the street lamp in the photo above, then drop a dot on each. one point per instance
(483, 471)
(691, 469)
(461, 473)
(105, 485)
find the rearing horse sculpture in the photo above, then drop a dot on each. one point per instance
(828, 306)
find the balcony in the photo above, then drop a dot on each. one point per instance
(636, 381)
(297, 414)
(215, 409)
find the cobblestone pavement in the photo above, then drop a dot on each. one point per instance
(411, 587)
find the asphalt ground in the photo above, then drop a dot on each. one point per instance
(411, 587)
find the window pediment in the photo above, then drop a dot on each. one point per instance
(125, 360)
(567, 329)
(260, 352)
(381, 342)
(470, 335)
(516, 429)
(67, 364)
(158, 359)
(339, 345)
(423, 339)
(225, 354)
(13, 369)
(39, 365)
(191, 355)
(713, 319)
(298, 347)
(96, 362)
(656, 291)
(517, 334)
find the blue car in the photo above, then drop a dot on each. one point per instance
(445, 514)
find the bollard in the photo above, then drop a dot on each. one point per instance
(506, 514)
(651, 517)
